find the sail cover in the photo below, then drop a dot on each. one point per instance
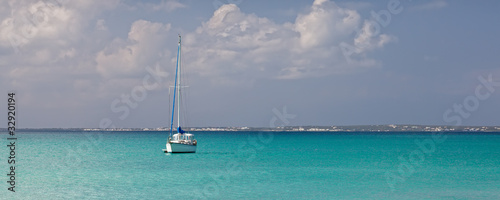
(179, 130)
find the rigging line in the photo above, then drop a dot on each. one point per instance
(169, 101)
(175, 87)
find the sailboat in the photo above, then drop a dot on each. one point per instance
(181, 142)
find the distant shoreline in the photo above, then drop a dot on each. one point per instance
(359, 128)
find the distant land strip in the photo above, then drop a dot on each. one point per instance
(352, 128)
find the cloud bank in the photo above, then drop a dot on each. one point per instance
(232, 42)
(65, 50)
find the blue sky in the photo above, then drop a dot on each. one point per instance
(73, 64)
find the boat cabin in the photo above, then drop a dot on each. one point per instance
(185, 136)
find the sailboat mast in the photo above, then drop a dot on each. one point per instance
(179, 95)
(175, 88)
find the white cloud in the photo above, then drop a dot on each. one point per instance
(55, 20)
(101, 25)
(244, 46)
(53, 50)
(144, 47)
(325, 24)
(370, 38)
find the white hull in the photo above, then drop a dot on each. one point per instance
(180, 148)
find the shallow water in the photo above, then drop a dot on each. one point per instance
(253, 165)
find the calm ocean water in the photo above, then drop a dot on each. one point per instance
(252, 165)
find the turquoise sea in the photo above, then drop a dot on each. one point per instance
(255, 165)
